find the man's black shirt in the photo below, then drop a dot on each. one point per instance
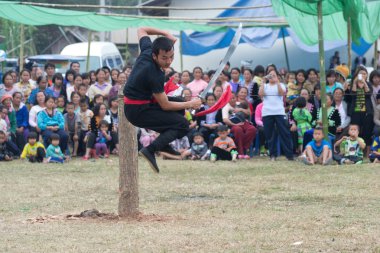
(146, 77)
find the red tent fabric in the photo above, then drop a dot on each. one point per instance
(223, 100)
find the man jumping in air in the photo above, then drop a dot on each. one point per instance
(146, 104)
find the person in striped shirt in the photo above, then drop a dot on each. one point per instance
(224, 147)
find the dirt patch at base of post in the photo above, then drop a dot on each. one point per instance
(95, 215)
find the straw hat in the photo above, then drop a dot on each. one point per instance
(342, 70)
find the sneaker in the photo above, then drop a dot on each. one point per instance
(213, 158)
(150, 158)
(247, 157)
(359, 162)
(239, 156)
(85, 158)
(272, 158)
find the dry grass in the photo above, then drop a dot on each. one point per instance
(250, 206)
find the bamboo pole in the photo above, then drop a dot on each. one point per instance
(180, 49)
(349, 44)
(22, 39)
(322, 70)
(285, 48)
(128, 178)
(88, 51)
(376, 57)
(126, 47)
(139, 7)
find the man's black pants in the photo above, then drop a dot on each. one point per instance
(171, 125)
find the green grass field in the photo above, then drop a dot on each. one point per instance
(248, 206)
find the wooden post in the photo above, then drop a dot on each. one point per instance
(285, 48)
(22, 39)
(126, 48)
(180, 49)
(349, 44)
(322, 73)
(128, 179)
(88, 51)
(376, 57)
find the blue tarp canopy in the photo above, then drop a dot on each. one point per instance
(199, 43)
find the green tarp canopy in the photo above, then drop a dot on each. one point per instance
(33, 15)
(302, 18)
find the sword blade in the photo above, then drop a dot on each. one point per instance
(230, 51)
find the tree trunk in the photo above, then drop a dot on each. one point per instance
(128, 179)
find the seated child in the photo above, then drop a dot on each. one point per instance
(101, 140)
(303, 119)
(199, 148)
(71, 122)
(6, 153)
(181, 146)
(351, 147)
(34, 150)
(224, 147)
(318, 150)
(374, 156)
(53, 152)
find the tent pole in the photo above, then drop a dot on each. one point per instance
(322, 70)
(180, 49)
(126, 47)
(349, 44)
(88, 51)
(285, 48)
(376, 57)
(22, 39)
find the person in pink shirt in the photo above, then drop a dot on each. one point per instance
(197, 85)
(260, 128)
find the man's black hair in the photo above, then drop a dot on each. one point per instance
(47, 65)
(74, 62)
(162, 43)
(222, 128)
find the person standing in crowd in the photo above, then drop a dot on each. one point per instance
(374, 81)
(75, 66)
(235, 79)
(101, 86)
(252, 89)
(50, 71)
(57, 88)
(114, 74)
(361, 107)
(274, 116)
(258, 74)
(42, 85)
(312, 80)
(185, 78)
(331, 83)
(197, 85)
(121, 80)
(8, 87)
(24, 85)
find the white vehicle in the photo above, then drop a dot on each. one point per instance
(101, 54)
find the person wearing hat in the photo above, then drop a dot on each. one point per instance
(6, 101)
(342, 73)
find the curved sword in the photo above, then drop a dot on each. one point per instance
(230, 51)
